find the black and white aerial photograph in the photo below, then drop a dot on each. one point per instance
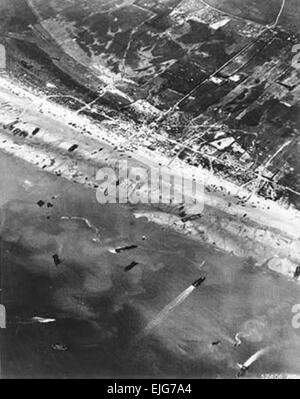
(150, 191)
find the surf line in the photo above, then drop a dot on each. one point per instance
(86, 222)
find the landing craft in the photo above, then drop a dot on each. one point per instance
(242, 371)
(187, 218)
(122, 249)
(198, 282)
(42, 320)
(128, 247)
(244, 367)
(131, 266)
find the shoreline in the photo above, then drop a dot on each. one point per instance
(272, 228)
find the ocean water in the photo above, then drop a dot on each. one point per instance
(100, 310)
